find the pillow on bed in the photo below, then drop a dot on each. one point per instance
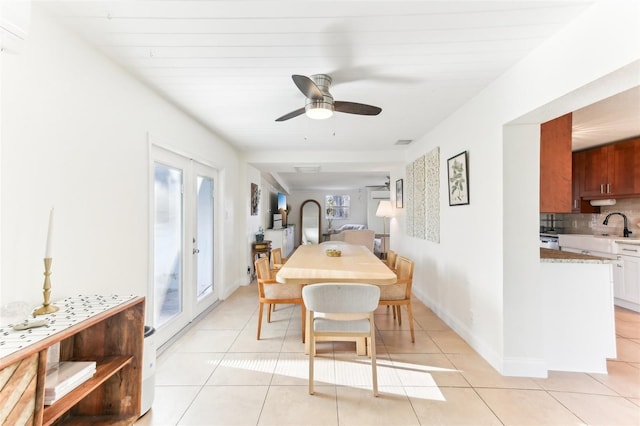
(351, 226)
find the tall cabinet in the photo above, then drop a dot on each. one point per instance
(281, 238)
(555, 165)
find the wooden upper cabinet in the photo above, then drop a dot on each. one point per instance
(580, 205)
(556, 166)
(612, 170)
(624, 167)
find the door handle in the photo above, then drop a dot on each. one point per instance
(602, 188)
(608, 188)
(196, 251)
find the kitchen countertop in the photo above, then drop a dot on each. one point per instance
(559, 256)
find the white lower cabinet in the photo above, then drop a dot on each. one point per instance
(281, 238)
(627, 291)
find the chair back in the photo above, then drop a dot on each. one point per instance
(404, 271)
(362, 237)
(392, 257)
(341, 298)
(404, 268)
(276, 256)
(263, 269)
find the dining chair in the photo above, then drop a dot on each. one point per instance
(399, 294)
(271, 292)
(276, 258)
(392, 257)
(338, 310)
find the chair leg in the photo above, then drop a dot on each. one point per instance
(304, 320)
(312, 352)
(269, 314)
(398, 308)
(410, 313)
(374, 370)
(394, 311)
(259, 320)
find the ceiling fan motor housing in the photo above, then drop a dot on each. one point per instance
(323, 82)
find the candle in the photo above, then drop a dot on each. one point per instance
(47, 252)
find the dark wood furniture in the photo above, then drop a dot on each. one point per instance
(114, 339)
(612, 170)
(578, 204)
(555, 165)
(258, 249)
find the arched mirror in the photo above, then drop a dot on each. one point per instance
(310, 220)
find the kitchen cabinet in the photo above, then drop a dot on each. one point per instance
(281, 238)
(578, 204)
(627, 289)
(113, 338)
(612, 170)
(555, 165)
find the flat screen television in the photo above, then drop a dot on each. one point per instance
(282, 201)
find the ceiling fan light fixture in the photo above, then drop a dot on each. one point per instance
(318, 110)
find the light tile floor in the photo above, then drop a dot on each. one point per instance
(219, 374)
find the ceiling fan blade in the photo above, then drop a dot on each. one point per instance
(291, 114)
(307, 87)
(356, 108)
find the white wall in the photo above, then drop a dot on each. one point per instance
(485, 257)
(76, 132)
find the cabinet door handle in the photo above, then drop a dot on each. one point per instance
(631, 250)
(602, 188)
(575, 204)
(608, 188)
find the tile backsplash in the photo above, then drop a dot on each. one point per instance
(591, 223)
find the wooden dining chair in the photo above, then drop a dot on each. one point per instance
(276, 258)
(339, 310)
(399, 294)
(392, 257)
(271, 292)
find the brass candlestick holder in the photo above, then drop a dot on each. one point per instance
(47, 307)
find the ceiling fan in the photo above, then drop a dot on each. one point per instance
(320, 103)
(386, 185)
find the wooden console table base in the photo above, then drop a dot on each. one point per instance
(105, 329)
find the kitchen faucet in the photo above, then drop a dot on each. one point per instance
(625, 232)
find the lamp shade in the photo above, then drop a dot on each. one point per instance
(384, 209)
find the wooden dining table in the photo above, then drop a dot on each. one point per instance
(357, 264)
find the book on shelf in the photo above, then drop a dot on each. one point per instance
(65, 376)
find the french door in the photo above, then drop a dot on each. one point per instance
(183, 255)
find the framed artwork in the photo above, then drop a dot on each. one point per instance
(255, 199)
(399, 199)
(458, 173)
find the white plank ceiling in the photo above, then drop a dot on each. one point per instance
(229, 64)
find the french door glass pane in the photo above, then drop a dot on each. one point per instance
(204, 237)
(168, 226)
